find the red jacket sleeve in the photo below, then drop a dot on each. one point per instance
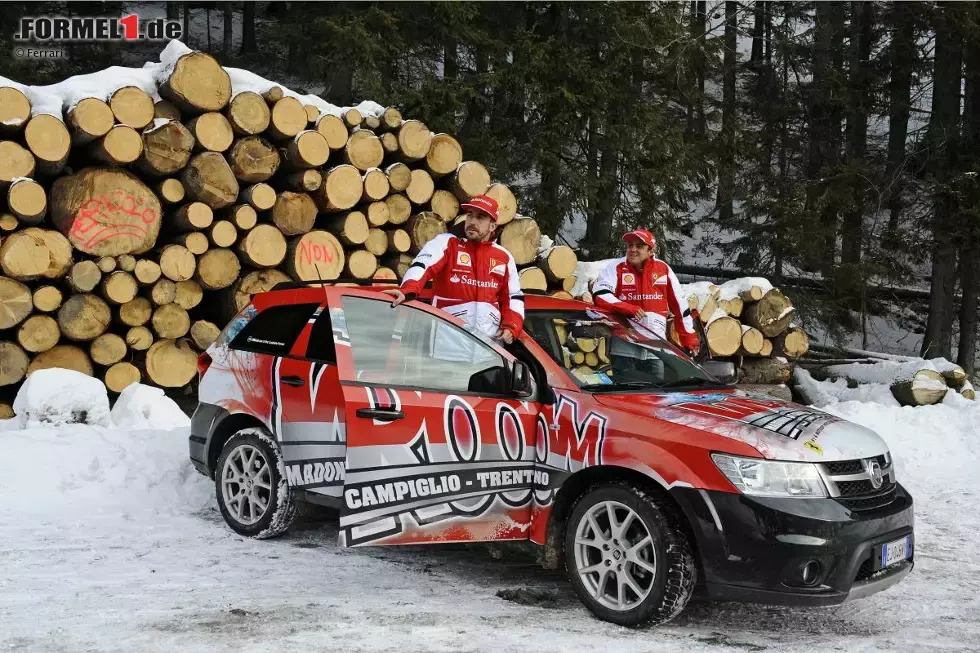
(426, 265)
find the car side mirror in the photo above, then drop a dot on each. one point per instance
(724, 371)
(520, 379)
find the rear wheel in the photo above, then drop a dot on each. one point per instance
(250, 484)
(627, 555)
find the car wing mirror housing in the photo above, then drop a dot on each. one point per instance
(520, 379)
(724, 371)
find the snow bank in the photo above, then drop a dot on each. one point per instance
(60, 473)
(57, 397)
(144, 407)
(55, 99)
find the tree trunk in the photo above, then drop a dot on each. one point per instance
(862, 23)
(248, 28)
(229, 29)
(901, 56)
(726, 167)
(942, 136)
(969, 223)
(758, 33)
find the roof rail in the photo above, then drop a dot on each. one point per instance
(287, 285)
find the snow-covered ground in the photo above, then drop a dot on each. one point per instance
(110, 541)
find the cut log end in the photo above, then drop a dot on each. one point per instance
(15, 161)
(212, 131)
(351, 228)
(421, 188)
(208, 178)
(108, 349)
(136, 312)
(14, 363)
(204, 333)
(376, 186)
(263, 246)
(91, 118)
(316, 255)
(260, 197)
(68, 357)
(170, 321)
(147, 272)
(522, 239)
(223, 234)
(84, 276)
(121, 146)
(170, 363)
(560, 263)
(414, 140)
(724, 336)
(444, 156)
(38, 333)
(177, 263)
(309, 149)
(770, 315)
(84, 317)
(399, 209)
(399, 177)
(253, 159)
(120, 376)
(925, 388)
(288, 119)
(193, 216)
(294, 213)
(361, 264)
(48, 139)
(120, 287)
(377, 241)
(423, 227)
(218, 268)
(364, 151)
(342, 188)
(171, 191)
(139, 338)
(248, 114)
(27, 200)
(15, 109)
(445, 204)
(132, 107)
(334, 130)
(533, 278)
(163, 292)
(197, 84)
(196, 242)
(47, 299)
(506, 202)
(166, 149)
(471, 179)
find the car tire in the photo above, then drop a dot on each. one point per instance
(250, 485)
(653, 579)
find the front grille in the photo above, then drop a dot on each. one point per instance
(856, 488)
(845, 467)
(870, 503)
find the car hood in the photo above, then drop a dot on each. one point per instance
(777, 429)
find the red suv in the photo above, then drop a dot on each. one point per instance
(640, 471)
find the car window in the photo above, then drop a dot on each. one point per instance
(321, 347)
(274, 330)
(406, 346)
(597, 348)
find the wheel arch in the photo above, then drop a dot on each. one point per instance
(576, 485)
(227, 427)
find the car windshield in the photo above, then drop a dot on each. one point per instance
(603, 352)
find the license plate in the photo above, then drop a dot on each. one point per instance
(896, 551)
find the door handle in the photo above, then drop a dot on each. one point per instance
(381, 414)
(292, 380)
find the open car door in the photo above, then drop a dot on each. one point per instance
(440, 447)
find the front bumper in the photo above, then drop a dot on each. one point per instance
(754, 549)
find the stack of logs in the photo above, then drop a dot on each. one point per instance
(752, 325)
(133, 230)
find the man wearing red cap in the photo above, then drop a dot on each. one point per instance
(643, 287)
(472, 277)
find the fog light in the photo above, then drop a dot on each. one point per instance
(811, 572)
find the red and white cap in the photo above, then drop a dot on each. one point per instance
(483, 204)
(641, 235)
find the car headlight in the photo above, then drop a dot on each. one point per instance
(771, 478)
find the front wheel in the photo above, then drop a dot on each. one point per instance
(627, 555)
(250, 483)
